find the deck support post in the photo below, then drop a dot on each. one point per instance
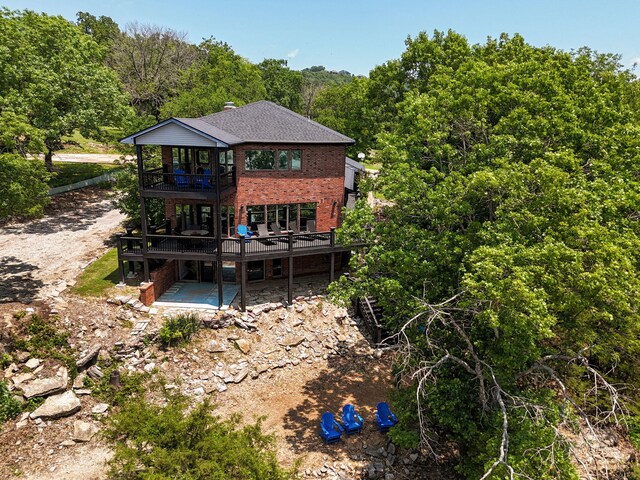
(143, 212)
(215, 165)
(290, 276)
(332, 270)
(147, 275)
(243, 275)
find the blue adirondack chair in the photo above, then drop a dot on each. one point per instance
(204, 179)
(385, 417)
(351, 420)
(181, 178)
(243, 230)
(331, 430)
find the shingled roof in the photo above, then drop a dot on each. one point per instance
(259, 122)
(266, 122)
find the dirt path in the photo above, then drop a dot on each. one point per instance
(38, 259)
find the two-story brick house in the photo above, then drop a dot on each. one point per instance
(259, 166)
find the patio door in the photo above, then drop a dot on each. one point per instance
(205, 217)
(188, 270)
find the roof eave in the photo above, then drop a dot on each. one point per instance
(131, 139)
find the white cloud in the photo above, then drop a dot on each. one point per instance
(293, 53)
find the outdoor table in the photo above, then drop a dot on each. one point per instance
(195, 233)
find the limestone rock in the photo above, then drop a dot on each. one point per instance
(242, 374)
(83, 431)
(216, 347)
(46, 386)
(32, 363)
(243, 345)
(88, 357)
(100, 408)
(292, 340)
(57, 406)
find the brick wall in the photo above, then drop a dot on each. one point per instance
(320, 180)
(161, 279)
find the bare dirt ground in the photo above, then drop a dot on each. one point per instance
(40, 258)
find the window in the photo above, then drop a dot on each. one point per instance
(260, 159)
(307, 212)
(283, 215)
(228, 220)
(296, 159)
(181, 158)
(273, 160)
(283, 160)
(255, 215)
(202, 157)
(226, 161)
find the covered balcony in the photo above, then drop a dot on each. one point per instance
(158, 183)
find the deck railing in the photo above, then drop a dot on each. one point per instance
(231, 246)
(156, 179)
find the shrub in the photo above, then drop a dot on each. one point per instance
(9, 406)
(170, 442)
(178, 329)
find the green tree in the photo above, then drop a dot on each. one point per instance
(23, 186)
(172, 442)
(346, 109)
(512, 173)
(52, 74)
(102, 29)
(283, 86)
(223, 77)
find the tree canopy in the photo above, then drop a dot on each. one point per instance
(283, 86)
(507, 260)
(223, 77)
(52, 75)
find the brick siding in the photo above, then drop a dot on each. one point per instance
(161, 279)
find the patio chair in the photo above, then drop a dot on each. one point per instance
(204, 179)
(311, 226)
(263, 230)
(385, 417)
(244, 230)
(275, 226)
(293, 226)
(351, 420)
(263, 234)
(331, 431)
(181, 178)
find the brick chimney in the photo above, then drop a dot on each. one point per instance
(229, 106)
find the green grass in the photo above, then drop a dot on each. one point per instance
(372, 165)
(99, 276)
(76, 143)
(68, 173)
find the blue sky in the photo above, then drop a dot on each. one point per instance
(356, 35)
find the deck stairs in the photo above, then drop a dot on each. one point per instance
(371, 314)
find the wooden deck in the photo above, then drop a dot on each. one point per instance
(233, 249)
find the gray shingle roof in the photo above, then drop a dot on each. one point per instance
(266, 122)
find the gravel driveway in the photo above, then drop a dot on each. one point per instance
(39, 258)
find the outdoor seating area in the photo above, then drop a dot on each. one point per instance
(331, 430)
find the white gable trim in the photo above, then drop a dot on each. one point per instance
(175, 133)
